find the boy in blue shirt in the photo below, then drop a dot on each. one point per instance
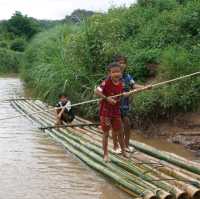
(129, 84)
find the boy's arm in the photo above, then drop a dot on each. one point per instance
(99, 92)
(135, 86)
(58, 115)
(59, 111)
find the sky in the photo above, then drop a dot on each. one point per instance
(55, 9)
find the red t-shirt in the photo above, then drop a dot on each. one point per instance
(110, 89)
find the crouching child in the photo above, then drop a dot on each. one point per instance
(64, 112)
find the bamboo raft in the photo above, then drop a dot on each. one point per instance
(148, 173)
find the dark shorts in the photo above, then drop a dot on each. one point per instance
(108, 123)
(68, 117)
(124, 113)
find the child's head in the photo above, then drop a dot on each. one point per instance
(122, 61)
(62, 97)
(114, 71)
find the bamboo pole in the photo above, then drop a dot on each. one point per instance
(173, 171)
(137, 189)
(185, 173)
(166, 157)
(177, 192)
(14, 99)
(170, 169)
(183, 160)
(142, 89)
(121, 94)
(168, 194)
(189, 174)
(68, 125)
(98, 135)
(139, 172)
(192, 190)
(182, 177)
(162, 194)
(178, 180)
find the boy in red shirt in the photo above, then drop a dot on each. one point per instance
(110, 116)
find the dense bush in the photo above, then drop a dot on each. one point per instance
(18, 44)
(3, 44)
(10, 60)
(160, 38)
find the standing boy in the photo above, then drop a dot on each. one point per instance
(128, 85)
(110, 116)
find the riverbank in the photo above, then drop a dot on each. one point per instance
(181, 131)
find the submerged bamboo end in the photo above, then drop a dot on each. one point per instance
(196, 195)
(164, 195)
(193, 192)
(182, 195)
(150, 195)
(169, 197)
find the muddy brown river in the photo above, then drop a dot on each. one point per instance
(33, 166)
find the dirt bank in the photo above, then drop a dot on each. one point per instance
(184, 130)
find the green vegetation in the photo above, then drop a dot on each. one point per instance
(160, 38)
(18, 31)
(14, 36)
(10, 61)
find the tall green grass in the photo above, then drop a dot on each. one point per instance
(51, 66)
(10, 61)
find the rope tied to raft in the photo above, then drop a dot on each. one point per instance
(118, 95)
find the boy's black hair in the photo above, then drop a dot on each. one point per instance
(62, 95)
(113, 65)
(118, 58)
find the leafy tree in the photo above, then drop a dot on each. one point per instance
(22, 26)
(78, 15)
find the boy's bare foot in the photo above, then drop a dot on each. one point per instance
(106, 159)
(130, 149)
(125, 155)
(116, 151)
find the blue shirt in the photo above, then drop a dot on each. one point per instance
(128, 83)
